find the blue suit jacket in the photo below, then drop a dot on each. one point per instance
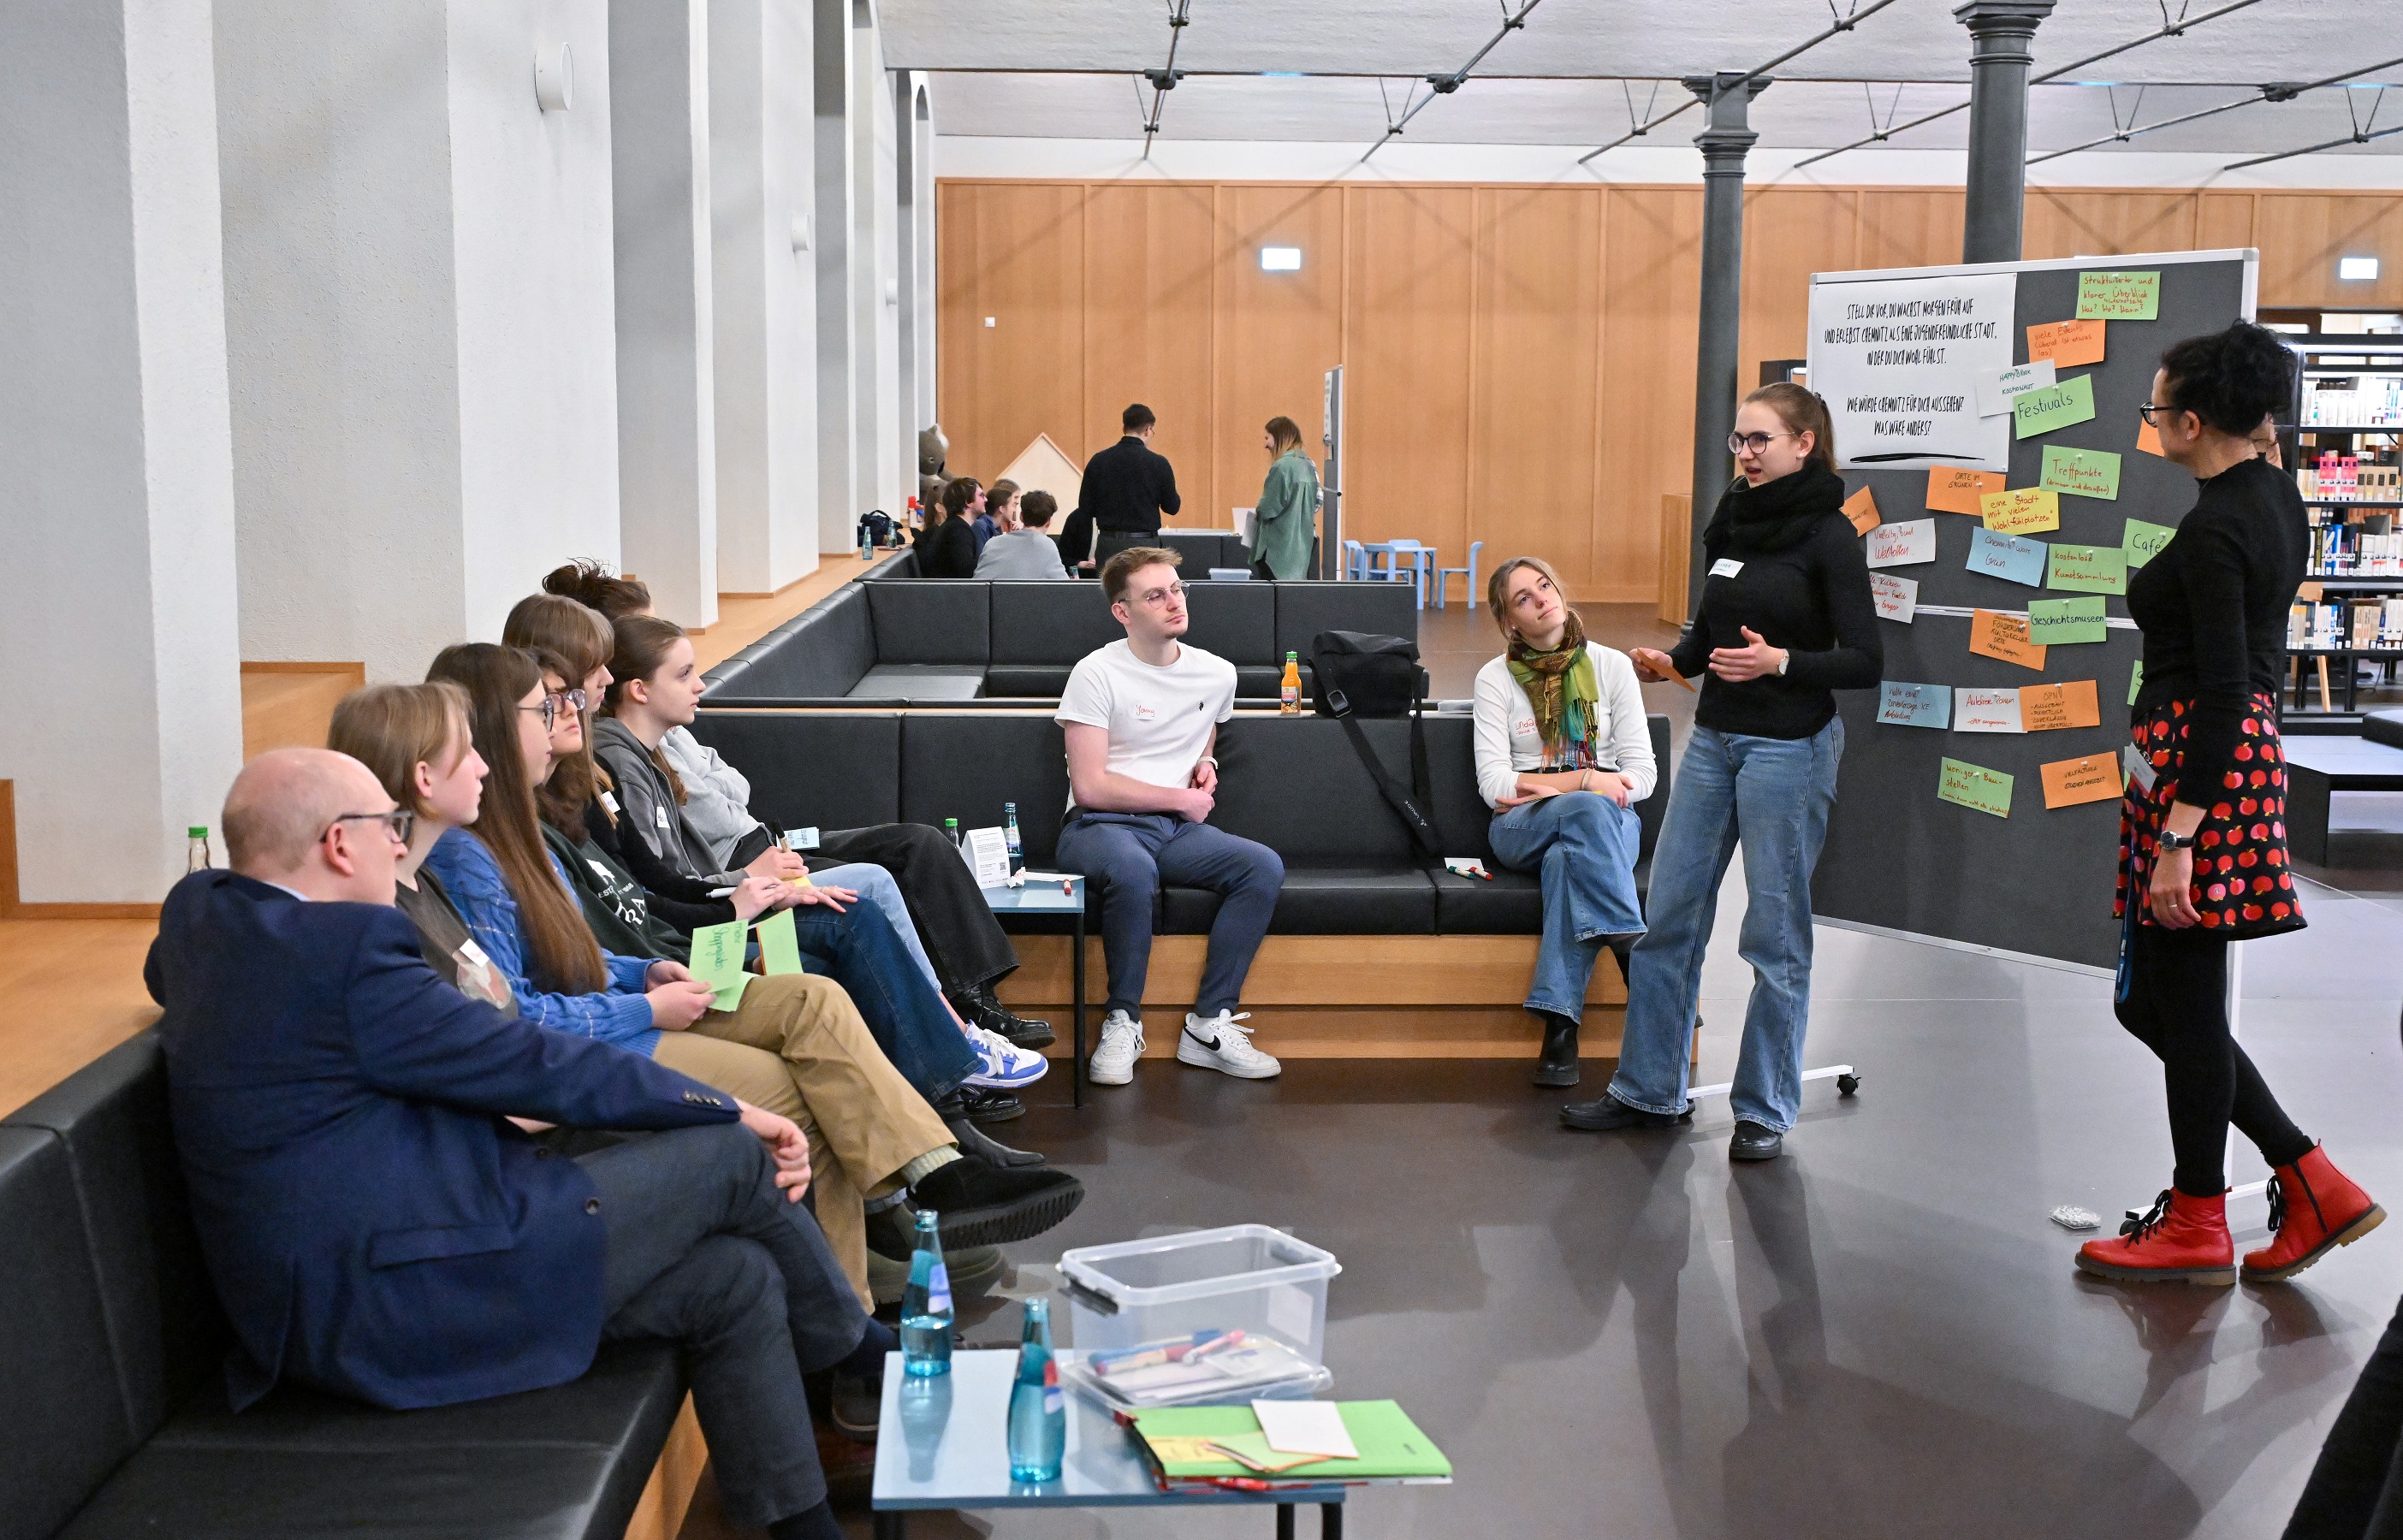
(373, 1226)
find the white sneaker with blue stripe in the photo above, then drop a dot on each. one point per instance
(1006, 1063)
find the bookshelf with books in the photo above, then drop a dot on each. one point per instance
(2345, 446)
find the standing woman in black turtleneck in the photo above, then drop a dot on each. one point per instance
(2202, 834)
(1786, 619)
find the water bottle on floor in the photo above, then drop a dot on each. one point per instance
(1010, 835)
(1038, 1414)
(196, 852)
(926, 1305)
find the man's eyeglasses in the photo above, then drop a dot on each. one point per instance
(1754, 443)
(1160, 596)
(399, 823)
(2150, 411)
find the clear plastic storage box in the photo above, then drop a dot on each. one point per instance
(1245, 1278)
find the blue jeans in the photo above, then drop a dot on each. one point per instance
(1130, 856)
(1773, 795)
(875, 885)
(904, 1011)
(1585, 846)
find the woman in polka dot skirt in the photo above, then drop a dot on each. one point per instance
(2202, 833)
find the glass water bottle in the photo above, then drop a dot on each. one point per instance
(926, 1305)
(1038, 1413)
(1010, 835)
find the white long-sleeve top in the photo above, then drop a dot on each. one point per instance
(1507, 744)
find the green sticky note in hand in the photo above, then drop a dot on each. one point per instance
(2142, 541)
(2052, 406)
(717, 961)
(2090, 569)
(780, 951)
(2119, 296)
(1975, 787)
(2136, 681)
(2053, 622)
(2080, 473)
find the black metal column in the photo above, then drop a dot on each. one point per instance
(2000, 32)
(1724, 144)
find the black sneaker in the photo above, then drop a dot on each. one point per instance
(1754, 1142)
(1608, 1112)
(983, 1104)
(982, 1204)
(979, 1008)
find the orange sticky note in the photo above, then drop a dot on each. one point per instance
(2148, 438)
(2069, 782)
(2050, 708)
(2004, 636)
(1952, 490)
(1861, 508)
(2067, 343)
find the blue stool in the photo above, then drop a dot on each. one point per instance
(1468, 571)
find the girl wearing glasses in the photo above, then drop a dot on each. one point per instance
(1786, 619)
(2202, 847)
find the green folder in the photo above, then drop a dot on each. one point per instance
(1391, 1445)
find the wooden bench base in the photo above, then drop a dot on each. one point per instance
(658, 1514)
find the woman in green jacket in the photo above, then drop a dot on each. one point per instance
(1286, 522)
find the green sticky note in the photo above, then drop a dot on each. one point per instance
(2053, 622)
(780, 951)
(717, 961)
(2143, 541)
(2136, 681)
(2090, 569)
(1975, 787)
(2119, 296)
(2080, 473)
(2054, 406)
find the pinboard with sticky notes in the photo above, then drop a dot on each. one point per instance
(1978, 801)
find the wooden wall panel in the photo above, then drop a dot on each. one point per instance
(1014, 251)
(1651, 313)
(2224, 220)
(1406, 368)
(2301, 234)
(1147, 326)
(1534, 409)
(1278, 333)
(2084, 223)
(1909, 227)
(1788, 235)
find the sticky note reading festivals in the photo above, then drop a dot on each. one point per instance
(2080, 473)
(2061, 406)
(1861, 508)
(1952, 489)
(2141, 542)
(1986, 711)
(780, 949)
(2008, 557)
(1973, 786)
(1897, 598)
(2052, 708)
(2060, 622)
(717, 961)
(1902, 545)
(2026, 510)
(1992, 634)
(2069, 782)
(2067, 343)
(2090, 569)
(1907, 705)
(2118, 296)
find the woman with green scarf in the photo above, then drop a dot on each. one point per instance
(1285, 523)
(1563, 755)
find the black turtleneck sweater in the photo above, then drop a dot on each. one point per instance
(1802, 583)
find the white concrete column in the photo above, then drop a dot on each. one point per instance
(837, 338)
(915, 132)
(875, 289)
(667, 435)
(420, 317)
(763, 305)
(123, 693)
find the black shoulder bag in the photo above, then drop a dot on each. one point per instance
(1359, 674)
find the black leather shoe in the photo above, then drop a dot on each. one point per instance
(982, 1204)
(1752, 1142)
(1607, 1112)
(974, 1141)
(979, 1008)
(982, 1105)
(1559, 1065)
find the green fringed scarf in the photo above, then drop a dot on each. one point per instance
(1561, 686)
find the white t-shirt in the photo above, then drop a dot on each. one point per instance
(1159, 719)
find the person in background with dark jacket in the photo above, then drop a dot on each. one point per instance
(2202, 836)
(375, 1227)
(947, 547)
(1076, 539)
(1786, 619)
(1128, 489)
(1000, 515)
(1027, 554)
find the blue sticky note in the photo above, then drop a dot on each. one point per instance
(2008, 557)
(1907, 705)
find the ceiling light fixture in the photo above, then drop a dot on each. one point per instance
(1288, 259)
(2357, 269)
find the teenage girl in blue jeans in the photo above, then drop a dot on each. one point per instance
(1785, 619)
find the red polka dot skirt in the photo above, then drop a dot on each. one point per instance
(2242, 884)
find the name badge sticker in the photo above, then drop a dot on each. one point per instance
(1726, 566)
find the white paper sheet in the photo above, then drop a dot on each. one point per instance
(1897, 598)
(1897, 361)
(1995, 387)
(1986, 711)
(1902, 545)
(1306, 1427)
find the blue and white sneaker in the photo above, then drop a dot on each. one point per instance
(1004, 1063)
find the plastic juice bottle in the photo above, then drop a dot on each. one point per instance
(1289, 691)
(196, 852)
(1038, 1414)
(1010, 835)
(927, 1306)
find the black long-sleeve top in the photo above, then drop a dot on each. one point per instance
(2212, 610)
(948, 549)
(683, 902)
(1812, 598)
(1127, 487)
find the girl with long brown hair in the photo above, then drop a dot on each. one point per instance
(1284, 525)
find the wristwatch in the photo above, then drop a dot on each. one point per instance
(2176, 841)
(1782, 658)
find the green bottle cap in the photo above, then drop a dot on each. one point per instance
(198, 831)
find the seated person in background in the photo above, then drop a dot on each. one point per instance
(1563, 753)
(795, 1034)
(947, 547)
(1027, 555)
(1000, 515)
(1140, 716)
(1077, 539)
(340, 1110)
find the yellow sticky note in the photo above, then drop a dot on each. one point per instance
(2022, 510)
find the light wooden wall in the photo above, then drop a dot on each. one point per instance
(1519, 360)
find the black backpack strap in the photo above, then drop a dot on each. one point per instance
(1397, 796)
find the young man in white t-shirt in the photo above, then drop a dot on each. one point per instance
(1141, 718)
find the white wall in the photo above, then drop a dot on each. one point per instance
(836, 313)
(123, 694)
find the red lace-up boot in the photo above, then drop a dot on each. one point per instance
(2182, 1240)
(2314, 1209)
